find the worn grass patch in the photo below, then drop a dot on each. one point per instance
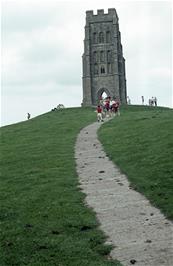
(140, 142)
(43, 220)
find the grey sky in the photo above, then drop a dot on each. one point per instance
(42, 46)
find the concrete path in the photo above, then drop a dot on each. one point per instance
(140, 234)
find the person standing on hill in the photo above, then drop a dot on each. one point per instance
(28, 116)
(142, 99)
(128, 100)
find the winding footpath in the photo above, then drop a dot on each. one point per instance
(140, 234)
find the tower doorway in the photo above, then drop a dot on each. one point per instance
(103, 93)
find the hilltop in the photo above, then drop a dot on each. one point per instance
(43, 217)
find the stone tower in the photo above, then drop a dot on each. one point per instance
(103, 61)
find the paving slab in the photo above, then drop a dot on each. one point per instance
(139, 232)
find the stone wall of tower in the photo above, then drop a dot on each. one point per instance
(103, 62)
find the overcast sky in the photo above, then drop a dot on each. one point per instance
(42, 47)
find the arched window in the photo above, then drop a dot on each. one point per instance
(102, 70)
(108, 36)
(109, 68)
(101, 37)
(95, 69)
(102, 56)
(94, 37)
(109, 56)
(120, 66)
(95, 56)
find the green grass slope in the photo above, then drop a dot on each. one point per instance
(140, 142)
(43, 220)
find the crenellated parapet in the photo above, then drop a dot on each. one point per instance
(100, 12)
(101, 15)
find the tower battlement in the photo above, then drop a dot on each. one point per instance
(100, 12)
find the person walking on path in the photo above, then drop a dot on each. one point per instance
(117, 107)
(99, 114)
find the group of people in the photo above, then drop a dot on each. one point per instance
(107, 107)
(59, 106)
(152, 101)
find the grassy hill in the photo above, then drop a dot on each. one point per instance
(43, 220)
(140, 142)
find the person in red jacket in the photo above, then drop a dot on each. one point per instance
(99, 114)
(115, 107)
